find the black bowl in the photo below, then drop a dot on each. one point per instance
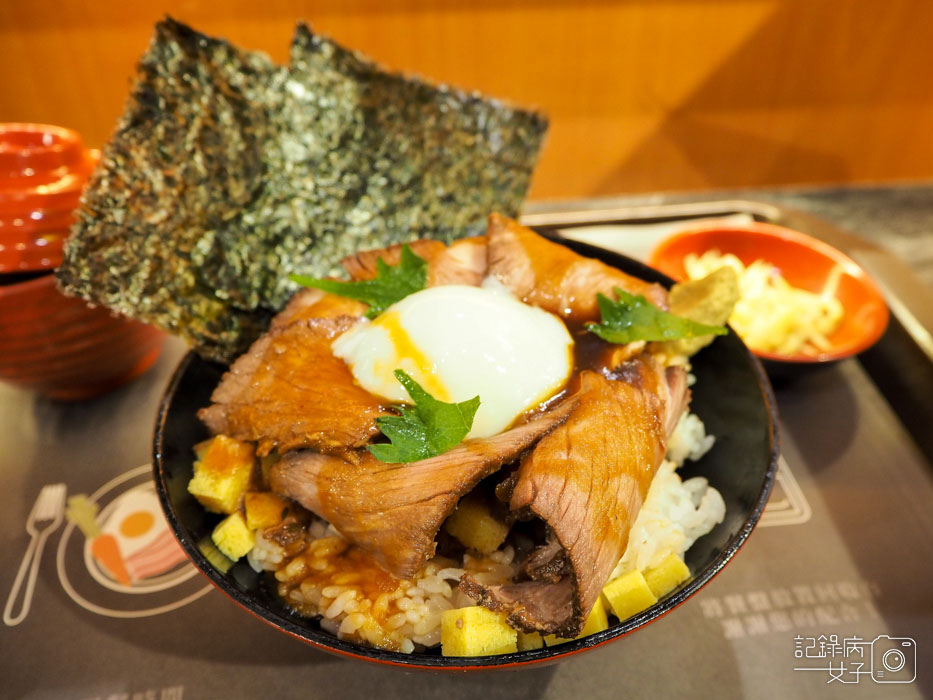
(732, 397)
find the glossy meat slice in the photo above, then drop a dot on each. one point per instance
(289, 391)
(547, 562)
(553, 277)
(464, 262)
(311, 303)
(394, 511)
(530, 605)
(587, 480)
(362, 265)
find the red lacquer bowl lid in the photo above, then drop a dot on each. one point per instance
(43, 170)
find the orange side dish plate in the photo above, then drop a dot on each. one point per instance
(806, 263)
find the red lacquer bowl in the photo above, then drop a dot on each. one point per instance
(43, 170)
(56, 345)
(63, 348)
(805, 262)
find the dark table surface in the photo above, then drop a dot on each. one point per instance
(845, 548)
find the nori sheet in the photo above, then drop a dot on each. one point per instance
(226, 173)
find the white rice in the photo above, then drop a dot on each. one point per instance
(675, 513)
(403, 619)
(689, 440)
(265, 555)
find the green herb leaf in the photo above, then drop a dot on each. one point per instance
(428, 429)
(392, 283)
(634, 318)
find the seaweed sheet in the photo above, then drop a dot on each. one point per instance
(227, 173)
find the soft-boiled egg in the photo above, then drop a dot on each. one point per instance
(458, 342)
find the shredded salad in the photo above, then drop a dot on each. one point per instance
(771, 315)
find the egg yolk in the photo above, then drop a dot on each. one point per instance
(408, 353)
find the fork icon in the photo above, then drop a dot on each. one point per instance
(46, 515)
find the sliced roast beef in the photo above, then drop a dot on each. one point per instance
(394, 511)
(364, 265)
(313, 303)
(534, 606)
(289, 391)
(668, 384)
(464, 262)
(553, 277)
(587, 479)
(547, 562)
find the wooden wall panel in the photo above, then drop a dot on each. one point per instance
(643, 95)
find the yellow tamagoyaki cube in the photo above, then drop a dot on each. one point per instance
(201, 448)
(232, 537)
(263, 509)
(223, 474)
(666, 576)
(529, 640)
(476, 631)
(629, 594)
(476, 527)
(597, 621)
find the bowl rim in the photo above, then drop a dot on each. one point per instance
(457, 664)
(792, 236)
